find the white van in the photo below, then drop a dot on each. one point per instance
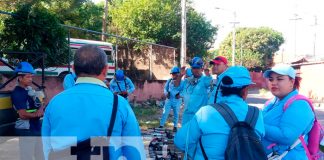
(74, 45)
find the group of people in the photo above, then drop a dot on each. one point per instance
(88, 106)
(205, 131)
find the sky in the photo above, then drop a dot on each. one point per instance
(299, 34)
(276, 14)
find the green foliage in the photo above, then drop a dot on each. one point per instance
(257, 45)
(34, 29)
(160, 22)
(200, 34)
(151, 20)
(80, 13)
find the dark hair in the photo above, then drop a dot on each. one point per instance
(227, 91)
(297, 82)
(89, 59)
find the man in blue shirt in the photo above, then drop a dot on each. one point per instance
(195, 91)
(84, 111)
(209, 125)
(121, 84)
(172, 89)
(28, 124)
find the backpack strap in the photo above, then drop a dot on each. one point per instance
(75, 77)
(113, 115)
(297, 97)
(268, 102)
(112, 120)
(202, 149)
(217, 89)
(118, 85)
(252, 116)
(168, 84)
(125, 83)
(302, 141)
(226, 113)
(286, 106)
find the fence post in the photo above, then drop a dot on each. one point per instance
(174, 58)
(150, 62)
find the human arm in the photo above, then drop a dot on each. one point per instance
(131, 133)
(131, 85)
(187, 138)
(293, 123)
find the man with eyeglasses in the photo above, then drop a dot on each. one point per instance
(219, 66)
(195, 91)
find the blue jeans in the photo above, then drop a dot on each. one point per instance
(175, 105)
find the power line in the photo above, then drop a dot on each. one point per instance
(100, 33)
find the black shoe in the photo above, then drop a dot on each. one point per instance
(161, 127)
(175, 129)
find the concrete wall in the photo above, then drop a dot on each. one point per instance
(137, 62)
(312, 84)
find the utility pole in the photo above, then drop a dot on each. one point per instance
(104, 21)
(183, 33)
(234, 38)
(296, 18)
(315, 28)
(233, 33)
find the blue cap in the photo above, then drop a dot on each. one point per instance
(119, 75)
(24, 68)
(282, 69)
(239, 76)
(188, 72)
(175, 70)
(196, 62)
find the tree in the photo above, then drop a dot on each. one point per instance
(200, 35)
(159, 22)
(257, 46)
(34, 29)
(80, 13)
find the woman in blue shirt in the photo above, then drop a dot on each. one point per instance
(283, 127)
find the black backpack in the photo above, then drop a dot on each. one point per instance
(243, 143)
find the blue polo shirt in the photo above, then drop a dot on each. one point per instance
(209, 125)
(124, 85)
(284, 127)
(21, 100)
(84, 111)
(195, 95)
